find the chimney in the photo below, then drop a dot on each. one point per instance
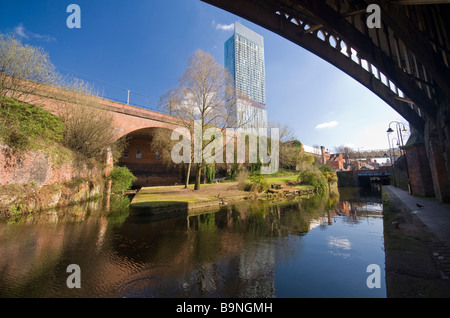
(322, 149)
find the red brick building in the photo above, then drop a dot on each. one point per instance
(336, 161)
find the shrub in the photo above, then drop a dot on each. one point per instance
(255, 167)
(241, 178)
(329, 174)
(210, 172)
(258, 182)
(122, 179)
(89, 129)
(233, 172)
(313, 177)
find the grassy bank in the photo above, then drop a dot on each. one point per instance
(38, 171)
(289, 182)
(24, 126)
(169, 195)
(155, 200)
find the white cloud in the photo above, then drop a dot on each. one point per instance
(224, 27)
(22, 32)
(339, 246)
(339, 243)
(330, 124)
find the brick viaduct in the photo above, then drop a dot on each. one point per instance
(127, 118)
(138, 123)
(146, 164)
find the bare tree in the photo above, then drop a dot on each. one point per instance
(286, 133)
(346, 152)
(205, 97)
(290, 147)
(22, 67)
(89, 130)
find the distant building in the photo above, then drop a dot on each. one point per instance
(336, 161)
(244, 60)
(321, 156)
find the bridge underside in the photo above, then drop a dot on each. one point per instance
(404, 61)
(146, 163)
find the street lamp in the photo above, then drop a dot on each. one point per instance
(400, 129)
(393, 148)
(389, 131)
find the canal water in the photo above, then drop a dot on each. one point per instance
(321, 246)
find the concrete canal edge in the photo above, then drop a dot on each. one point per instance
(175, 200)
(417, 263)
(174, 208)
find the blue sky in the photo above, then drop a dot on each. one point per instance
(143, 46)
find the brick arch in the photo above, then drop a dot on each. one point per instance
(137, 119)
(127, 119)
(144, 161)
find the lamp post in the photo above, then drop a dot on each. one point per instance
(389, 145)
(393, 148)
(400, 129)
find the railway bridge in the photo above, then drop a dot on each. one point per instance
(403, 58)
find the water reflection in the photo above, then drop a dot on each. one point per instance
(243, 250)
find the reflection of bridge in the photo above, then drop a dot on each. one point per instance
(405, 61)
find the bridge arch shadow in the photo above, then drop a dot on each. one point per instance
(147, 162)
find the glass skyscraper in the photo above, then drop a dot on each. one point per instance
(244, 60)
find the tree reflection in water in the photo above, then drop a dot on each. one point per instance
(242, 250)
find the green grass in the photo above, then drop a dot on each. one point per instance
(25, 126)
(169, 195)
(282, 172)
(289, 181)
(284, 179)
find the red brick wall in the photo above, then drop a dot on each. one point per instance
(39, 168)
(419, 171)
(336, 161)
(335, 165)
(148, 169)
(32, 181)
